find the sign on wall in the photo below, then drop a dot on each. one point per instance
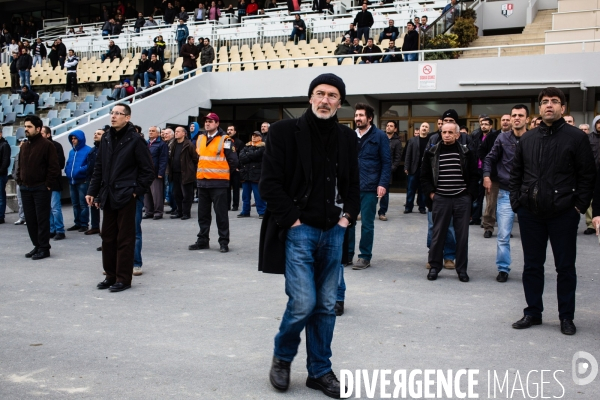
(507, 9)
(427, 76)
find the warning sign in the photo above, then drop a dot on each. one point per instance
(427, 76)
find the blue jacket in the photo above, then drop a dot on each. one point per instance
(77, 165)
(501, 156)
(182, 32)
(374, 160)
(159, 151)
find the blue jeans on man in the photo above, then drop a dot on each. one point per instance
(80, 207)
(295, 32)
(119, 93)
(207, 68)
(56, 218)
(25, 78)
(384, 203)
(154, 75)
(382, 36)
(450, 244)
(3, 181)
(37, 59)
(368, 207)
(188, 69)
(413, 184)
(341, 292)
(313, 258)
(247, 189)
(411, 56)
(137, 255)
(505, 218)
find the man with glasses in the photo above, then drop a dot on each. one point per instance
(551, 184)
(123, 172)
(309, 180)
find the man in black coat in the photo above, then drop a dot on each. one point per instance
(391, 130)
(61, 49)
(551, 184)
(234, 174)
(363, 22)
(91, 161)
(123, 171)
(57, 226)
(310, 183)
(411, 42)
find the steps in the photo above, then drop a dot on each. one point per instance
(533, 33)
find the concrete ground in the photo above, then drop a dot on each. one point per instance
(201, 324)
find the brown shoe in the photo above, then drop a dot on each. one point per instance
(92, 231)
(382, 217)
(449, 264)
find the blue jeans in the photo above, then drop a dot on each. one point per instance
(20, 201)
(148, 75)
(368, 206)
(247, 189)
(137, 255)
(381, 36)
(105, 33)
(301, 34)
(180, 44)
(169, 194)
(411, 56)
(188, 69)
(312, 265)
(25, 75)
(56, 218)
(80, 207)
(207, 68)
(450, 245)
(413, 184)
(118, 94)
(37, 59)
(384, 203)
(341, 292)
(374, 62)
(3, 180)
(505, 217)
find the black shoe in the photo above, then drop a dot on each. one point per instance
(423, 211)
(32, 252)
(52, 234)
(463, 277)
(41, 254)
(328, 384)
(110, 98)
(280, 374)
(526, 322)
(185, 217)
(60, 236)
(119, 287)
(432, 274)
(339, 308)
(73, 228)
(243, 215)
(475, 222)
(224, 248)
(487, 234)
(146, 216)
(502, 277)
(261, 216)
(99, 248)
(198, 246)
(157, 217)
(105, 284)
(234, 208)
(2, 221)
(567, 327)
(176, 216)
(407, 211)
(588, 231)
(83, 229)
(511, 235)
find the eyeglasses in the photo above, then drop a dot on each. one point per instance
(117, 113)
(554, 102)
(331, 97)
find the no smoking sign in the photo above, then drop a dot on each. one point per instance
(427, 76)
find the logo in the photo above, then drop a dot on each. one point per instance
(581, 367)
(507, 9)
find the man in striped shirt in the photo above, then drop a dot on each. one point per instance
(449, 180)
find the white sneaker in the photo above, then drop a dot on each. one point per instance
(137, 271)
(20, 222)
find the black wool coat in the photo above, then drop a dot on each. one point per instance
(286, 182)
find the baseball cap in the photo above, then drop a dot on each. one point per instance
(212, 116)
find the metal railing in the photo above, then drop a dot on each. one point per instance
(444, 22)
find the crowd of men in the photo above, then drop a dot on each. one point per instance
(312, 186)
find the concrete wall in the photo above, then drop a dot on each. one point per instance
(494, 19)
(575, 34)
(577, 5)
(581, 19)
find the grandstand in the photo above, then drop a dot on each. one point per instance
(260, 75)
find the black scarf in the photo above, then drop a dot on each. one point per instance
(327, 131)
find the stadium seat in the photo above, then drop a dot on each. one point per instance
(29, 110)
(9, 119)
(20, 133)
(6, 130)
(72, 106)
(18, 109)
(52, 114)
(56, 95)
(11, 140)
(90, 98)
(66, 97)
(55, 122)
(84, 105)
(50, 102)
(14, 150)
(65, 114)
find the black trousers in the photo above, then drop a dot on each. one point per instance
(562, 232)
(36, 206)
(217, 197)
(72, 83)
(184, 195)
(444, 209)
(477, 208)
(234, 185)
(118, 242)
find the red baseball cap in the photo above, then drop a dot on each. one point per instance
(212, 116)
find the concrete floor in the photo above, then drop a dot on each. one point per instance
(201, 324)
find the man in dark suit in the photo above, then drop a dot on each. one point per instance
(310, 183)
(123, 172)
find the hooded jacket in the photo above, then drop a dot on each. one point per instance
(77, 166)
(594, 137)
(553, 170)
(194, 135)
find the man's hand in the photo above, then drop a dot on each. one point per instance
(89, 200)
(406, 171)
(487, 184)
(431, 195)
(380, 191)
(160, 177)
(134, 195)
(297, 223)
(596, 224)
(49, 189)
(343, 222)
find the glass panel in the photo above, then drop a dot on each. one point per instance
(254, 112)
(224, 112)
(436, 109)
(394, 109)
(496, 106)
(293, 112)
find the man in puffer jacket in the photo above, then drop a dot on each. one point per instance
(250, 164)
(76, 171)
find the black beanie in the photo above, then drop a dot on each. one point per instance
(451, 113)
(328, 79)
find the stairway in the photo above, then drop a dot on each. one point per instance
(533, 33)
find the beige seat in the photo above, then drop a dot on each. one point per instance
(317, 62)
(248, 66)
(302, 63)
(261, 66)
(330, 62)
(347, 61)
(236, 67)
(275, 65)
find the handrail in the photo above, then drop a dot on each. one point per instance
(433, 30)
(421, 53)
